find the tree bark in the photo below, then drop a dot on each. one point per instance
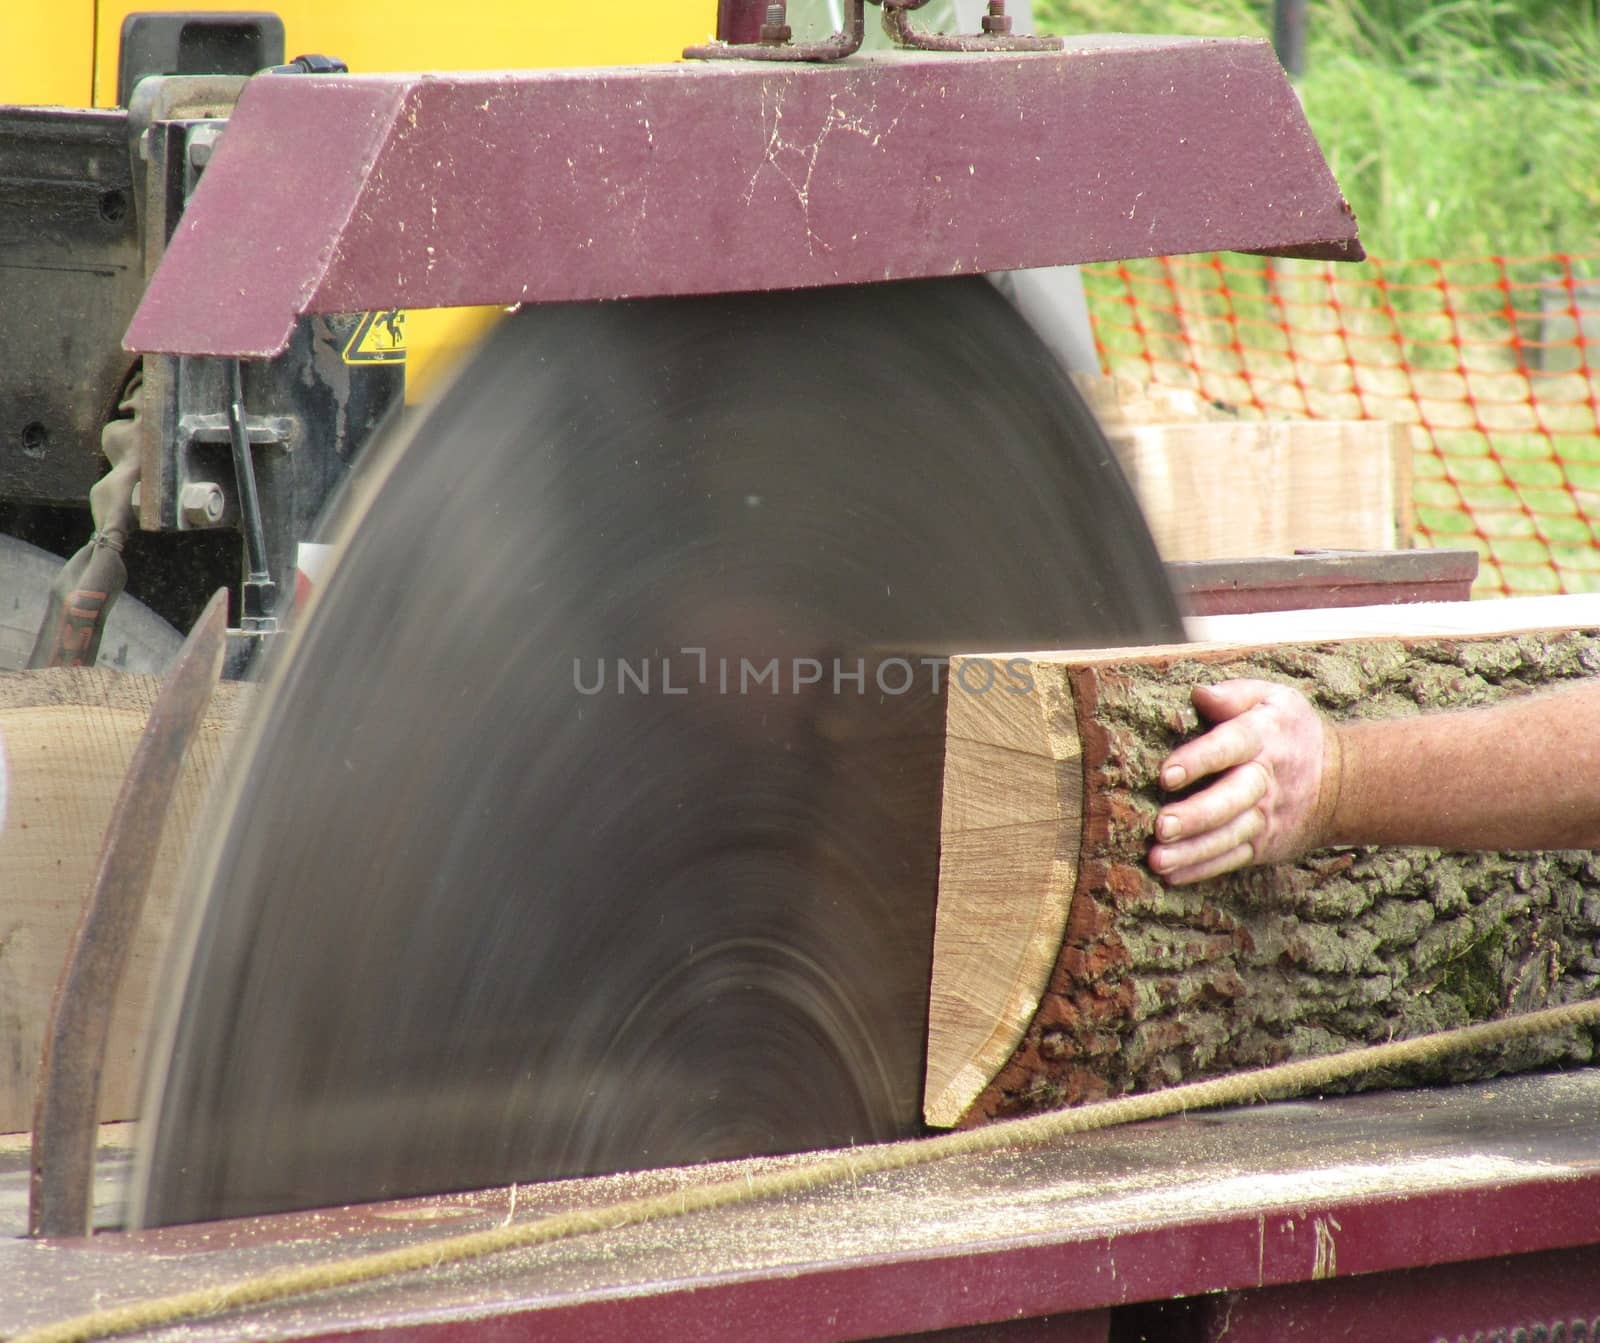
(1151, 986)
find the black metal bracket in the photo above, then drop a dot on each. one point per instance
(260, 594)
(207, 464)
(194, 43)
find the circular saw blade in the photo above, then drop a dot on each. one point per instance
(580, 831)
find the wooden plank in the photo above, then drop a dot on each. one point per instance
(1216, 490)
(68, 734)
(1064, 971)
(1118, 400)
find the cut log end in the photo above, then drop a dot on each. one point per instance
(1064, 971)
(1007, 870)
(69, 734)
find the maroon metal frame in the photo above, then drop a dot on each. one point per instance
(1074, 1279)
(740, 21)
(775, 42)
(342, 193)
(996, 36)
(1535, 1298)
(1322, 578)
(1403, 1216)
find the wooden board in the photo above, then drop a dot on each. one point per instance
(68, 735)
(1214, 485)
(1118, 399)
(1220, 489)
(1064, 971)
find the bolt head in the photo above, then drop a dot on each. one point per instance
(997, 20)
(775, 30)
(201, 503)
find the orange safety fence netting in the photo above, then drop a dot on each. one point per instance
(1493, 362)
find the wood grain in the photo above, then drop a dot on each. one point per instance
(1064, 971)
(1214, 490)
(1012, 788)
(68, 735)
(1216, 485)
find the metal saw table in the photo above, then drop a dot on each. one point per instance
(1425, 1214)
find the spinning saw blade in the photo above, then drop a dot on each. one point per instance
(568, 839)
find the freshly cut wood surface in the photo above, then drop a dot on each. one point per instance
(1064, 971)
(1218, 489)
(67, 736)
(1012, 786)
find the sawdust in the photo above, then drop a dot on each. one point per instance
(1289, 1167)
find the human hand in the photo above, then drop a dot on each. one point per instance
(1277, 774)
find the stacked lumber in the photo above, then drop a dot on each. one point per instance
(1215, 486)
(1117, 399)
(1064, 971)
(68, 735)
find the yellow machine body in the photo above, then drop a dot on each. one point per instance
(64, 52)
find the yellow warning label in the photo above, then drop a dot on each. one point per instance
(380, 339)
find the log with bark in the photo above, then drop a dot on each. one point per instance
(67, 735)
(1066, 972)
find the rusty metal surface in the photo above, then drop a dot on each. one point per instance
(772, 42)
(696, 178)
(773, 38)
(1226, 1201)
(996, 34)
(67, 1111)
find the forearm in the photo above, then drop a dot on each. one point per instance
(1523, 774)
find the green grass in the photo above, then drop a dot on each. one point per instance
(1465, 128)
(1462, 129)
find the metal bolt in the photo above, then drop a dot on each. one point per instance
(202, 143)
(776, 31)
(201, 503)
(997, 20)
